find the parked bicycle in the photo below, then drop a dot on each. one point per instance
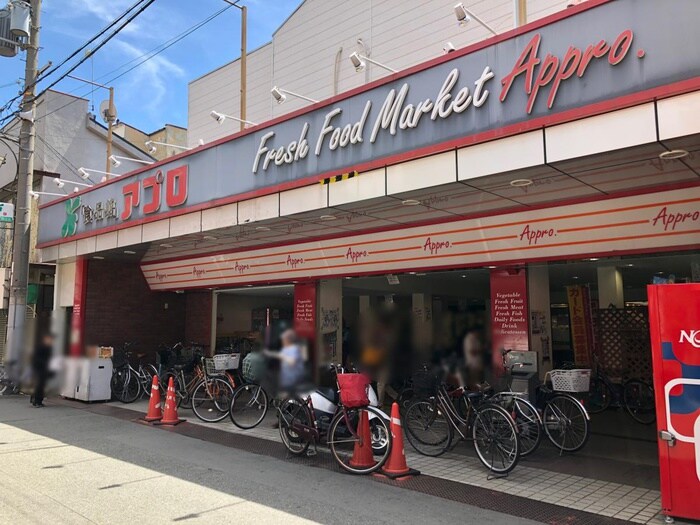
(634, 395)
(130, 383)
(211, 396)
(432, 420)
(250, 401)
(299, 428)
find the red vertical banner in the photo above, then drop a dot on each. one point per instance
(581, 323)
(509, 314)
(77, 326)
(305, 310)
(674, 323)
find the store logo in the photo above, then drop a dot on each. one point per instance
(70, 226)
(294, 261)
(197, 272)
(534, 235)
(240, 268)
(670, 220)
(435, 247)
(690, 336)
(355, 255)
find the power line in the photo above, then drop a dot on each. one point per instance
(141, 9)
(148, 56)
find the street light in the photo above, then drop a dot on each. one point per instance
(464, 16)
(244, 57)
(360, 62)
(280, 95)
(221, 117)
(114, 159)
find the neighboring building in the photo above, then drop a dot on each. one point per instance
(171, 134)
(68, 138)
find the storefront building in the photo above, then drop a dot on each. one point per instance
(529, 184)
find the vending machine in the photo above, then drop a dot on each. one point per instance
(674, 321)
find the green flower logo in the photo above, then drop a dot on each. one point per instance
(71, 225)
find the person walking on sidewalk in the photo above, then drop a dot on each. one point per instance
(40, 367)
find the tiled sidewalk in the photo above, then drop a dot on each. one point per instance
(626, 502)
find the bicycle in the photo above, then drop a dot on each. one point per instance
(250, 401)
(637, 397)
(299, 428)
(211, 396)
(432, 420)
(522, 411)
(128, 383)
(7, 385)
(186, 377)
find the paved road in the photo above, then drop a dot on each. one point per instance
(67, 465)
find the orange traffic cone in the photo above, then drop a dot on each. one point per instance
(155, 411)
(170, 412)
(362, 456)
(396, 466)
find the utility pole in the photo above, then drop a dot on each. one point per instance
(244, 63)
(16, 333)
(110, 123)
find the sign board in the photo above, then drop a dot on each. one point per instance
(611, 50)
(581, 323)
(509, 322)
(652, 221)
(674, 321)
(305, 310)
(7, 212)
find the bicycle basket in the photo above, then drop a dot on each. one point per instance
(227, 361)
(425, 383)
(253, 367)
(353, 390)
(210, 366)
(577, 380)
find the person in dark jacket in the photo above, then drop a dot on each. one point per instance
(40, 367)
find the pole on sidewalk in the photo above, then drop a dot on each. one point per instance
(16, 333)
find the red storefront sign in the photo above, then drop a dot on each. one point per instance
(581, 322)
(674, 321)
(77, 325)
(509, 323)
(305, 310)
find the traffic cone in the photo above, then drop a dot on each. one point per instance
(170, 412)
(396, 466)
(155, 411)
(362, 456)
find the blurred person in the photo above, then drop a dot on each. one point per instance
(40, 368)
(292, 358)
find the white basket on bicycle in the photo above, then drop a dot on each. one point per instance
(577, 380)
(210, 367)
(226, 362)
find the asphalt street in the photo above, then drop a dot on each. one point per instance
(68, 465)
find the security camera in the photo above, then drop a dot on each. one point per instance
(279, 96)
(462, 14)
(449, 47)
(357, 61)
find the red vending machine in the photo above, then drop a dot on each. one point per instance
(674, 320)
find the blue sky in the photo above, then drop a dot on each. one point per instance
(155, 92)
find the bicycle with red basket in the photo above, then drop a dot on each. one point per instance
(348, 437)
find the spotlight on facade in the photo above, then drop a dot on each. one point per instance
(218, 117)
(462, 14)
(449, 47)
(58, 182)
(34, 195)
(221, 118)
(115, 162)
(278, 95)
(83, 174)
(357, 61)
(151, 147)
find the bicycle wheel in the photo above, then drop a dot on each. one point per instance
(427, 428)
(638, 398)
(599, 397)
(132, 387)
(294, 412)
(566, 423)
(495, 438)
(117, 382)
(211, 399)
(249, 406)
(345, 435)
(181, 394)
(148, 372)
(529, 425)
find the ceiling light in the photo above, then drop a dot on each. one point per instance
(491, 267)
(674, 154)
(594, 259)
(262, 228)
(327, 217)
(348, 278)
(410, 202)
(129, 252)
(98, 257)
(575, 277)
(166, 245)
(209, 238)
(420, 274)
(411, 273)
(464, 276)
(630, 265)
(520, 183)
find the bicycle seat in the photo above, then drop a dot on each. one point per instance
(474, 395)
(179, 367)
(331, 394)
